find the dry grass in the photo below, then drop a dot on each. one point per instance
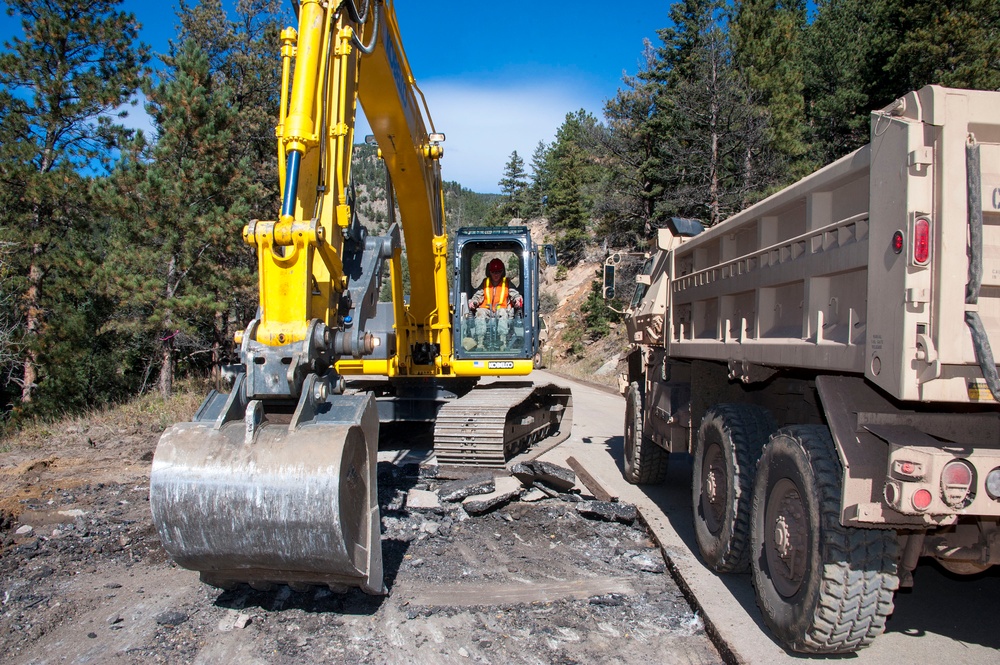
(148, 413)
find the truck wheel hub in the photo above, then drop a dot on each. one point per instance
(787, 549)
(789, 535)
(711, 486)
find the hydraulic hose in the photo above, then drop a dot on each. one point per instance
(369, 48)
(980, 339)
(352, 11)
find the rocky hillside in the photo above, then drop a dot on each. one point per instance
(563, 291)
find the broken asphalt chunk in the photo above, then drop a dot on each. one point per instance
(457, 490)
(506, 490)
(608, 511)
(422, 500)
(547, 473)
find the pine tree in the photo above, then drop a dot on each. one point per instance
(955, 44)
(767, 37)
(178, 209)
(243, 53)
(635, 157)
(836, 48)
(61, 84)
(714, 157)
(539, 180)
(691, 21)
(513, 185)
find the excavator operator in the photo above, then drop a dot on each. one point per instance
(495, 299)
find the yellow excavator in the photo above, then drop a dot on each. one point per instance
(275, 481)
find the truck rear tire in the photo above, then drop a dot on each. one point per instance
(822, 587)
(645, 462)
(726, 450)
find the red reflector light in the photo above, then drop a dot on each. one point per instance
(907, 468)
(921, 241)
(921, 499)
(897, 242)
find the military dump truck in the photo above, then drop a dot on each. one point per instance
(826, 358)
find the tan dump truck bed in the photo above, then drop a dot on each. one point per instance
(862, 268)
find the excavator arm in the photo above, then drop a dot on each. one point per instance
(340, 55)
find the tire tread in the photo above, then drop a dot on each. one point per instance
(748, 426)
(859, 575)
(650, 461)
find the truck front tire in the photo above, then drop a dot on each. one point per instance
(822, 587)
(726, 450)
(645, 462)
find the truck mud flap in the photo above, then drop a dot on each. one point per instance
(290, 504)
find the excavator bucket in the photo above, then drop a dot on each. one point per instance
(265, 503)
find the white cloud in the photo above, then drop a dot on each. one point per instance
(136, 117)
(484, 124)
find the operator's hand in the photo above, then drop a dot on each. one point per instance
(519, 305)
(473, 306)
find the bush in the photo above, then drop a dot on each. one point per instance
(548, 301)
(597, 316)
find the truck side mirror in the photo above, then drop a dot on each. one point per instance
(609, 281)
(551, 258)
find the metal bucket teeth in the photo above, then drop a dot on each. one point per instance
(290, 507)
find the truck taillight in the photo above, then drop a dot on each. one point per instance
(921, 241)
(956, 483)
(921, 499)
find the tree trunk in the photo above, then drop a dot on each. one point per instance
(167, 366)
(713, 187)
(33, 324)
(167, 351)
(220, 332)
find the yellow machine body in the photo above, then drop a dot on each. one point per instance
(275, 481)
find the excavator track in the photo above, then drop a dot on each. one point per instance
(496, 422)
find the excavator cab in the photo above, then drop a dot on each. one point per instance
(495, 320)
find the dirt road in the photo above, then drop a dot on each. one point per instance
(83, 579)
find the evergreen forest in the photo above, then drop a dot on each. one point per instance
(122, 266)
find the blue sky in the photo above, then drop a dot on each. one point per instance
(498, 77)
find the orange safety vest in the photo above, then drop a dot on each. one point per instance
(495, 297)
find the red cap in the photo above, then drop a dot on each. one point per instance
(496, 265)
